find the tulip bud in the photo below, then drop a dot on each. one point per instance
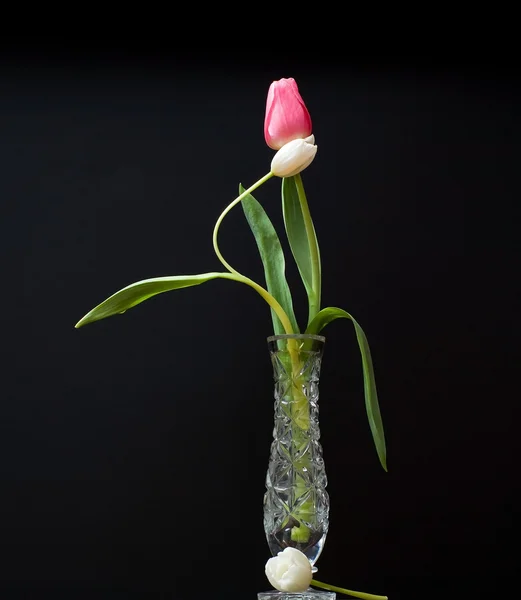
(294, 157)
(287, 117)
(289, 571)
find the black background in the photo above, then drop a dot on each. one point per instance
(133, 451)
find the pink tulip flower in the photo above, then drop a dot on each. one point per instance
(287, 117)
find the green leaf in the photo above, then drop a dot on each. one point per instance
(272, 256)
(324, 317)
(142, 290)
(299, 242)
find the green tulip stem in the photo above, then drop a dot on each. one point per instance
(314, 302)
(226, 211)
(274, 304)
(332, 588)
(279, 311)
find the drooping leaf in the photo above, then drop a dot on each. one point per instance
(324, 317)
(272, 257)
(140, 291)
(299, 242)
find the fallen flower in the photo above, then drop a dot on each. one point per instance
(289, 571)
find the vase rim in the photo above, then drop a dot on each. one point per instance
(297, 336)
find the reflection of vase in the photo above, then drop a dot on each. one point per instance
(296, 504)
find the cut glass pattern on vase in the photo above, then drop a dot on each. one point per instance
(309, 594)
(296, 504)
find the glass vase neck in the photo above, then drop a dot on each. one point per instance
(296, 341)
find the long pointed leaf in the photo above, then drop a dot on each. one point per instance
(298, 238)
(272, 256)
(324, 317)
(140, 291)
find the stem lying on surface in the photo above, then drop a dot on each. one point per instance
(314, 302)
(274, 304)
(333, 588)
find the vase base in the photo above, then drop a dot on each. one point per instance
(309, 594)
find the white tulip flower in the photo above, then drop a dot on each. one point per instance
(289, 571)
(294, 157)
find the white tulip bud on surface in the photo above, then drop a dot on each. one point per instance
(289, 571)
(294, 157)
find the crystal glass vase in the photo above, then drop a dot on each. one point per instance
(296, 504)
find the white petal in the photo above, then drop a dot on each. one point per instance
(293, 158)
(289, 571)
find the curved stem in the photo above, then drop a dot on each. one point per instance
(279, 311)
(226, 211)
(314, 306)
(274, 304)
(333, 588)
